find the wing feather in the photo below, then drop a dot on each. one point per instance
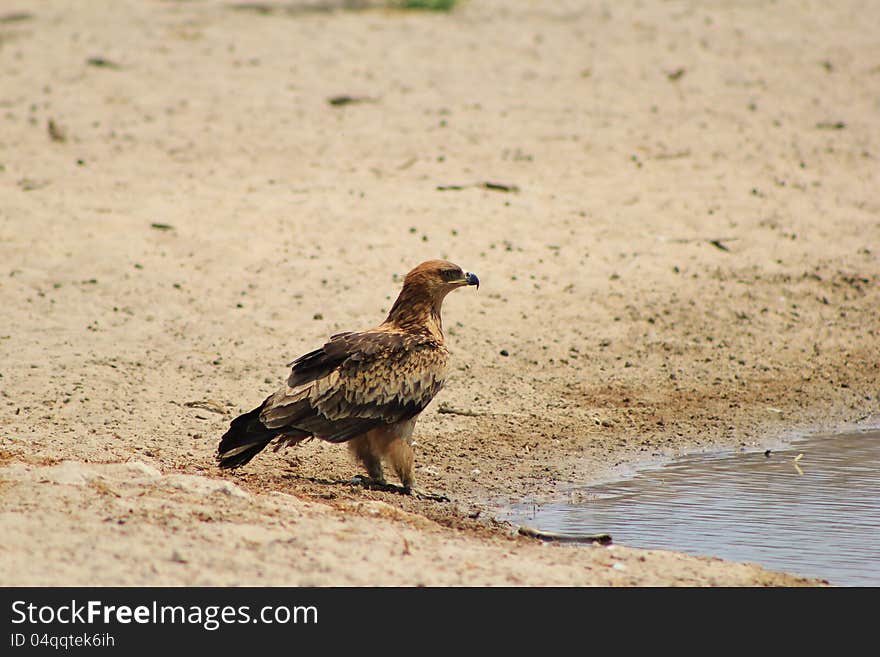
(356, 382)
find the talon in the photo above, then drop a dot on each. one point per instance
(423, 495)
(366, 482)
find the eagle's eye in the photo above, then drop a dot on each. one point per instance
(451, 274)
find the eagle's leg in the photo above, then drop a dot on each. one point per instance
(364, 452)
(400, 455)
(394, 443)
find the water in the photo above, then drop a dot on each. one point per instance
(817, 515)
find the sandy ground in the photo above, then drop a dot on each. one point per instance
(685, 258)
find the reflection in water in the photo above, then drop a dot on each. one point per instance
(817, 515)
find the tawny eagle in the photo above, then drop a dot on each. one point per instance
(366, 388)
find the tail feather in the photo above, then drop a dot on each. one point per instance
(246, 438)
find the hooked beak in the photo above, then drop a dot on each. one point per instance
(472, 279)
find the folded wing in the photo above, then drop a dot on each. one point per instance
(355, 383)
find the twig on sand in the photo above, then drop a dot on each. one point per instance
(103, 62)
(344, 99)
(717, 242)
(601, 539)
(494, 186)
(206, 404)
(445, 408)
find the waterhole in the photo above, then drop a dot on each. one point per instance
(812, 508)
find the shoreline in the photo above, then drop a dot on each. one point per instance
(783, 439)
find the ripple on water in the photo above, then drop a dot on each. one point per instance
(817, 515)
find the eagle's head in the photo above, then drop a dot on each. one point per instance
(424, 289)
(439, 278)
